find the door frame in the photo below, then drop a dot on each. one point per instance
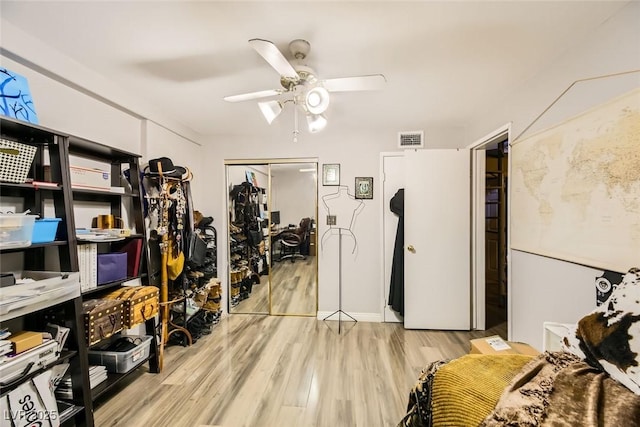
(478, 169)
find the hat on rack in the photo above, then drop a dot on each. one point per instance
(164, 166)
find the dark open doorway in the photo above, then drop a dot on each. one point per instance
(496, 182)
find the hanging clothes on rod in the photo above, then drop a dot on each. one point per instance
(396, 290)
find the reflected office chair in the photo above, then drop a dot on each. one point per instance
(293, 241)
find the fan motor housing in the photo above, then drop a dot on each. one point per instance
(307, 76)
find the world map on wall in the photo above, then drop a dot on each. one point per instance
(576, 188)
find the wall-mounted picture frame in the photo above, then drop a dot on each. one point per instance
(331, 174)
(364, 187)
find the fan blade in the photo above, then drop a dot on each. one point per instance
(274, 57)
(252, 95)
(346, 84)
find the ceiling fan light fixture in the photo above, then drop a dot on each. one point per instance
(316, 122)
(317, 100)
(270, 110)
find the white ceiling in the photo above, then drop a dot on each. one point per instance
(444, 61)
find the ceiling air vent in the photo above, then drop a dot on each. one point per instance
(412, 139)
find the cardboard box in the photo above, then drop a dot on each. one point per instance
(25, 340)
(93, 179)
(496, 345)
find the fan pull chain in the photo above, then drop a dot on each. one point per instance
(295, 122)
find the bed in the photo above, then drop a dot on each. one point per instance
(593, 381)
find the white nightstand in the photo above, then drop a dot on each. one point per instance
(553, 333)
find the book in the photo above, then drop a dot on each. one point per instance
(58, 333)
(57, 373)
(88, 266)
(81, 262)
(133, 249)
(92, 265)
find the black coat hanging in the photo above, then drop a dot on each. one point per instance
(396, 290)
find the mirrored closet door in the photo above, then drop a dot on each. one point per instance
(272, 262)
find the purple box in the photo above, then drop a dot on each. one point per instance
(112, 267)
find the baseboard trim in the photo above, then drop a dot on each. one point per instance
(360, 317)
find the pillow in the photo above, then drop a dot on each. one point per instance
(609, 337)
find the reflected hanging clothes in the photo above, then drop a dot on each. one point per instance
(396, 290)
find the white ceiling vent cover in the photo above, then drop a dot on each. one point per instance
(411, 139)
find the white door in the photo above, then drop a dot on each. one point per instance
(392, 180)
(437, 225)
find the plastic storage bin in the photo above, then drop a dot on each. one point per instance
(121, 362)
(44, 230)
(16, 230)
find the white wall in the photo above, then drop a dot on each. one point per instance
(357, 152)
(238, 174)
(541, 288)
(70, 111)
(293, 193)
(158, 141)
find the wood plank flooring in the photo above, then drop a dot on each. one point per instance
(268, 371)
(293, 287)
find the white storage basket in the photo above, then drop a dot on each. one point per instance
(15, 161)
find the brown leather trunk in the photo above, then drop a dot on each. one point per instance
(102, 318)
(140, 303)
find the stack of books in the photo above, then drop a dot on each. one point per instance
(102, 234)
(97, 375)
(88, 265)
(5, 345)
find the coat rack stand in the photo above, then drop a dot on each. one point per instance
(339, 311)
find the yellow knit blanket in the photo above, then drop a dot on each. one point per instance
(467, 389)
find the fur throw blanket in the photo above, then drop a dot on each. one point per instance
(560, 389)
(608, 338)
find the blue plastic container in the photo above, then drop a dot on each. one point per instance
(44, 230)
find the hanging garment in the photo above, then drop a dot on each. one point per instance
(396, 290)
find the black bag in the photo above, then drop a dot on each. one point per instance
(197, 250)
(255, 237)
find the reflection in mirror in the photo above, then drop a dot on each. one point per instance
(248, 259)
(293, 207)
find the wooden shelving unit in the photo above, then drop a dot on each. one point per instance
(58, 147)
(33, 257)
(119, 161)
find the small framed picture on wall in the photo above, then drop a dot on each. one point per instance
(331, 174)
(364, 187)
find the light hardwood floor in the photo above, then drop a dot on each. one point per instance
(271, 371)
(293, 287)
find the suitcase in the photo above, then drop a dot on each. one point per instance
(140, 303)
(102, 318)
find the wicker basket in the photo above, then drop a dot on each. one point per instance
(15, 161)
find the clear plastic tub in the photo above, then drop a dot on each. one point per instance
(122, 361)
(16, 230)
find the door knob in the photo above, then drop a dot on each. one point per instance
(411, 249)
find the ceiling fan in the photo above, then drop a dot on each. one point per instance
(301, 85)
